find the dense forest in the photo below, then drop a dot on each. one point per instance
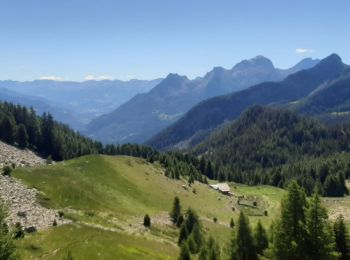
(254, 148)
(23, 127)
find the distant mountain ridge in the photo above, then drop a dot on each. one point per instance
(147, 114)
(41, 106)
(80, 101)
(209, 114)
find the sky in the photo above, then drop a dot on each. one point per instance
(146, 39)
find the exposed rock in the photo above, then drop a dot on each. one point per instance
(11, 155)
(23, 208)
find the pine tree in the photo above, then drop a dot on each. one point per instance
(176, 211)
(342, 238)
(196, 236)
(319, 238)
(22, 136)
(243, 247)
(261, 240)
(7, 130)
(289, 232)
(210, 250)
(183, 234)
(190, 220)
(184, 252)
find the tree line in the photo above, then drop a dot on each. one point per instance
(271, 146)
(23, 127)
(302, 231)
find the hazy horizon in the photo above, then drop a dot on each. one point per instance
(79, 40)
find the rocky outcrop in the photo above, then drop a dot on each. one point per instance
(23, 208)
(11, 155)
(21, 201)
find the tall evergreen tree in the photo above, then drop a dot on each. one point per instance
(261, 239)
(196, 237)
(7, 130)
(22, 136)
(176, 210)
(289, 232)
(184, 252)
(210, 250)
(319, 237)
(342, 238)
(243, 247)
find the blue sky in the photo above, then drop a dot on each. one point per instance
(145, 39)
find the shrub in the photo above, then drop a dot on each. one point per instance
(18, 231)
(147, 221)
(232, 223)
(6, 171)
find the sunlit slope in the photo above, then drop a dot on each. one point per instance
(107, 198)
(124, 186)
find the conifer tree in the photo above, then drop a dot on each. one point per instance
(342, 238)
(176, 210)
(243, 247)
(210, 250)
(183, 234)
(22, 136)
(261, 240)
(184, 252)
(319, 238)
(289, 232)
(197, 238)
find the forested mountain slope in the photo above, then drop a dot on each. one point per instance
(330, 103)
(254, 147)
(210, 114)
(146, 114)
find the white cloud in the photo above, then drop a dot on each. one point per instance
(130, 77)
(93, 77)
(55, 78)
(303, 50)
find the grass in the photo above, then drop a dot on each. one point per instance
(116, 192)
(92, 243)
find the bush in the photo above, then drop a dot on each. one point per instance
(60, 214)
(6, 171)
(18, 231)
(232, 223)
(215, 219)
(49, 160)
(147, 221)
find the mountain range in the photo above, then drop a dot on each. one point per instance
(147, 114)
(300, 91)
(73, 103)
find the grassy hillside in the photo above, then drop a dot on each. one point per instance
(107, 197)
(92, 243)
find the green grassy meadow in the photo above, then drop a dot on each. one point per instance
(107, 197)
